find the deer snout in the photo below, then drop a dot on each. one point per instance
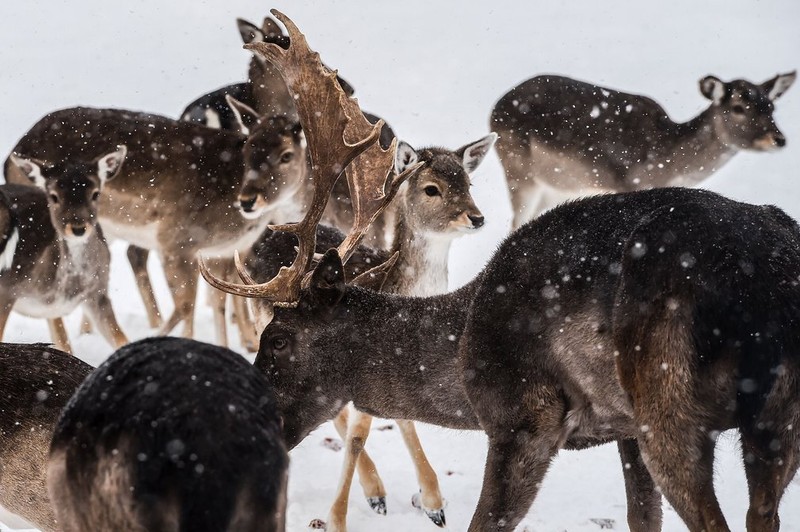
(476, 219)
(248, 204)
(251, 205)
(780, 140)
(772, 140)
(78, 230)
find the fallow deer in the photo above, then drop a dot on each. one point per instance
(37, 381)
(560, 136)
(170, 434)
(654, 318)
(54, 256)
(185, 189)
(433, 208)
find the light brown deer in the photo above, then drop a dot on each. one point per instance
(185, 189)
(54, 257)
(614, 318)
(562, 137)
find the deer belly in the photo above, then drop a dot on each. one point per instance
(144, 236)
(244, 241)
(48, 307)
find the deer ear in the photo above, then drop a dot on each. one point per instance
(246, 116)
(404, 157)
(712, 88)
(776, 86)
(249, 31)
(472, 154)
(31, 168)
(109, 165)
(327, 281)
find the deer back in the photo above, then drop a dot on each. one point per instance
(149, 419)
(181, 184)
(37, 381)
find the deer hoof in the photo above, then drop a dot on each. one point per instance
(378, 504)
(317, 524)
(437, 516)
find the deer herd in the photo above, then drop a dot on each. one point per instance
(644, 313)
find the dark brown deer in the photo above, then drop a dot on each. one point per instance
(185, 189)
(54, 257)
(614, 318)
(560, 136)
(148, 422)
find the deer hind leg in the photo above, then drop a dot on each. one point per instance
(182, 273)
(371, 482)
(59, 334)
(771, 452)
(521, 447)
(138, 259)
(430, 497)
(515, 157)
(644, 499)
(357, 433)
(101, 313)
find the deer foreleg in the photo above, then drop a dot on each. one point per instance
(370, 481)
(182, 274)
(59, 334)
(644, 499)
(244, 321)
(357, 433)
(102, 315)
(430, 498)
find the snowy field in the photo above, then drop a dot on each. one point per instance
(433, 70)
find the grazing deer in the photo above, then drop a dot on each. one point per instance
(612, 318)
(185, 189)
(139, 448)
(37, 381)
(562, 136)
(54, 256)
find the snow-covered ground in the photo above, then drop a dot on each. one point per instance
(434, 70)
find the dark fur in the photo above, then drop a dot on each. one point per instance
(36, 381)
(196, 429)
(526, 351)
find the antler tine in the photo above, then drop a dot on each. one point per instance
(367, 179)
(336, 132)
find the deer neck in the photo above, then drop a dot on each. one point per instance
(421, 268)
(693, 152)
(403, 363)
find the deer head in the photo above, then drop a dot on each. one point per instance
(743, 110)
(339, 138)
(72, 189)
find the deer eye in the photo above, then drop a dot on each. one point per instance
(279, 343)
(432, 190)
(54, 199)
(287, 156)
(95, 195)
(738, 109)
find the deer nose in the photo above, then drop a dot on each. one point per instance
(78, 230)
(477, 221)
(247, 204)
(780, 140)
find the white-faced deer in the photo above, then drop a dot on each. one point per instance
(187, 434)
(560, 136)
(185, 189)
(654, 318)
(54, 255)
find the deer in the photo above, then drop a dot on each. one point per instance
(54, 256)
(613, 318)
(434, 207)
(185, 189)
(151, 415)
(563, 137)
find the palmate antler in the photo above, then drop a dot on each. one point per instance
(339, 137)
